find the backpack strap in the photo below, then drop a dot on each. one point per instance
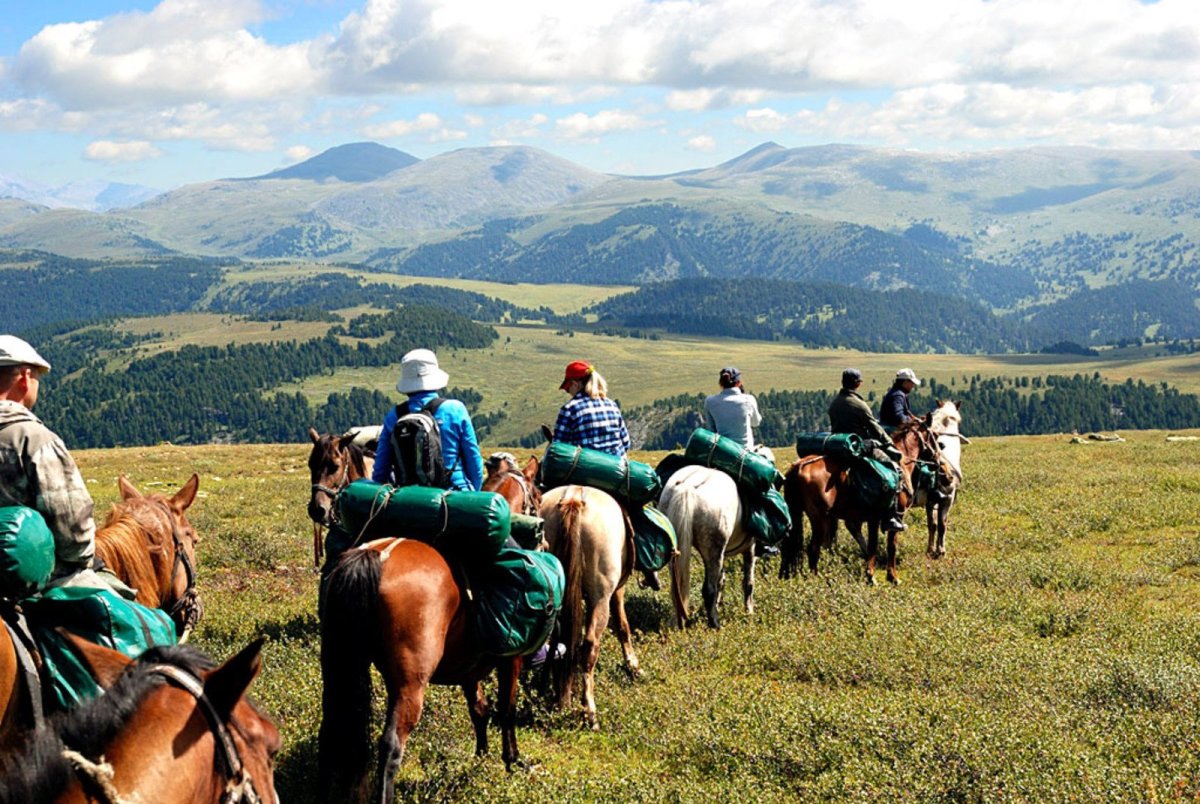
(433, 404)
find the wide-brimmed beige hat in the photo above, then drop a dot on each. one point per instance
(16, 352)
(908, 374)
(419, 372)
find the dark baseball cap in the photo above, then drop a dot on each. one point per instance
(732, 373)
(851, 376)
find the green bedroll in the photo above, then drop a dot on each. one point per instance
(840, 445)
(527, 531)
(766, 516)
(471, 525)
(751, 471)
(654, 538)
(633, 483)
(516, 601)
(26, 552)
(874, 484)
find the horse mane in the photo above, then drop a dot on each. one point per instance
(124, 543)
(39, 772)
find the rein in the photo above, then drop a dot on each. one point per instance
(528, 507)
(188, 607)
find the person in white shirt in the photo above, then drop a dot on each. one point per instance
(733, 413)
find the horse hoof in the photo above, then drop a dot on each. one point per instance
(635, 672)
(893, 580)
(871, 580)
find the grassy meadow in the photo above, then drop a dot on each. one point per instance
(1054, 654)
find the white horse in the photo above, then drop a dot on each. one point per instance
(585, 529)
(944, 424)
(704, 507)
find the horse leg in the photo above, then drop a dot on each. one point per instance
(893, 538)
(932, 514)
(872, 550)
(943, 520)
(748, 579)
(620, 627)
(508, 673)
(590, 653)
(714, 572)
(856, 531)
(404, 710)
(477, 705)
(818, 524)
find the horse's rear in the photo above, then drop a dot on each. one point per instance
(586, 530)
(396, 603)
(706, 512)
(12, 692)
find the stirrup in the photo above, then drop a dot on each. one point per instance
(896, 524)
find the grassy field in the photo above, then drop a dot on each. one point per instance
(1053, 655)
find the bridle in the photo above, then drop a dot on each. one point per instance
(529, 506)
(239, 786)
(188, 608)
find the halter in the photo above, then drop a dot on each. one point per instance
(239, 786)
(528, 507)
(339, 484)
(188, 607)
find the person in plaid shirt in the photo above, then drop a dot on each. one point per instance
(590, 419)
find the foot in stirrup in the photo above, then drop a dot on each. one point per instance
(895, 524)
(650, 581)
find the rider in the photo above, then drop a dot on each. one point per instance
(733, 412)
(36, 471)
(894, 410)
(849, 413)
(421, 378)
(589, 418)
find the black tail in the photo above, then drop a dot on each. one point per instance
(347, 644)
(792, 545)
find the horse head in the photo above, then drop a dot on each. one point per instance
(516, 485)
(167, 695)
(333, 463)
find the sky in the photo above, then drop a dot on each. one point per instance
(179, 91)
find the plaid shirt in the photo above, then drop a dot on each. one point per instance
(592, 423)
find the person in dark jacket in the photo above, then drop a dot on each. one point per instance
(894, 410)
(850, 413)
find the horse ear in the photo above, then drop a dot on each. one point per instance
(548, 433)
(105, 664)
(937, 403)
(128, 490)
(226, 685)
(184, 498)
(314, 435)
(958, 404)
(531, 469)
(928, 420)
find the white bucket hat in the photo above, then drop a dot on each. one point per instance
(16, 352)
(908, 374)
(419, 372)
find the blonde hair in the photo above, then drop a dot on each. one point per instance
(595, 386)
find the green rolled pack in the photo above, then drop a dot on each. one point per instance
(654, 538)
(840, 445)
(629, 481)
(517, 599)
(26, 552)
(766, 517)
(751, 471)
(472, 525)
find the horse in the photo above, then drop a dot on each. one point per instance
(149, 544)
(398, 603)
(589, 533)
(817, 486)
(169, 727)
(944, 424)
(518, 486)
(334, 463)
(704, 506)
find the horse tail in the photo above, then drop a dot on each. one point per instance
(679, 504)
(347, 637)
(570, 509)
(793, 542)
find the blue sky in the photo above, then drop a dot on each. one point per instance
(178, 91)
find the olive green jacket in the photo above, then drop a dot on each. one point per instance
(849, 413)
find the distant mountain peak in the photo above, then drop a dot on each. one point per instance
(353, 162)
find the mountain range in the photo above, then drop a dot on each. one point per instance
(1015, 229)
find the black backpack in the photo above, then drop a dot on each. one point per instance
(417, 448)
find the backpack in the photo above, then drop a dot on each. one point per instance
(417, 448)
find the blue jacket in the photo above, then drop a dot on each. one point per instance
(460, 448)
(894, 410)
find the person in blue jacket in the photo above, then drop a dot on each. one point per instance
(421, 378)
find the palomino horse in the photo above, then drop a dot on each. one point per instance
(517, 486)
(150, 545)
(704, 507)
(944, 424)
(818, 487)
(169, 727)
(334, 463)
(397, 603)
(587, 530)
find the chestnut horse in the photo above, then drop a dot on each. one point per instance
(516, 485)
(397, 603)
(334, 463)
(149, 544)
(169, 727)
(588, 531)
(944, 424)
(818, 487)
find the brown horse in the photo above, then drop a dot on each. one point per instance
(817, 487)
(149, 544)
(169, 727)
(589, 533)
(398, 604)
(334, 463)
(516, 485)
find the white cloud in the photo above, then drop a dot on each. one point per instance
(298, 153)
(528, 95)
(427, 124)
(525, 129)
(698, 100)
(580, 126)
(117, 152)
(703, 143)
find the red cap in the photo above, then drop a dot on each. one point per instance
(577, 370)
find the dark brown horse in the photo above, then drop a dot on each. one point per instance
(149, 544)
(334, 463)
(170, 727)
(514, 484)
(398, 604)
(817, 487)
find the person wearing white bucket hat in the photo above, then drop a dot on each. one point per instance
(421, 378)
(894, 410)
